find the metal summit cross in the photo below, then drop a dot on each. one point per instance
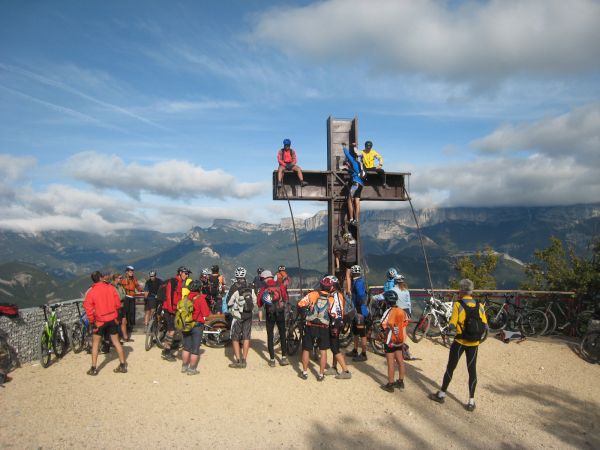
(332, 185)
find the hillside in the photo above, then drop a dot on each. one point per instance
(59, 263)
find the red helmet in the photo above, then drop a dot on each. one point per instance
(328, 282)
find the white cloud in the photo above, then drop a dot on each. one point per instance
(13, 167)
(480, 42)
(174, 179)
(187, 106)
(576, 134)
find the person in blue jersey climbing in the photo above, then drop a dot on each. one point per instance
(356, 185)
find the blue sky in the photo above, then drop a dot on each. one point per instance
(166, 115)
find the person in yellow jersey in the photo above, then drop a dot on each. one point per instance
(468, 317)
(369, 155)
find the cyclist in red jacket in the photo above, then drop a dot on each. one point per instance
(102, 305)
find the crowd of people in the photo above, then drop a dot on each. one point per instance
(325, 309)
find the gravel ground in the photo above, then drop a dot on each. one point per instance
(536, 394)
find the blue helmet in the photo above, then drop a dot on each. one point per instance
(287, 142)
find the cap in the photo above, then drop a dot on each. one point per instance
(266, 274)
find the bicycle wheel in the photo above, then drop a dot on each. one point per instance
(552, 322)
(45, 349)
(346, 335)
(160, 331)
(294, 338)
(533, 323)
(150, 333)
(59, 341)
(421, 328)
(581, 322)
(590, 346)
(496, 317)
(76, 338)
(377, 338)
(223, 335)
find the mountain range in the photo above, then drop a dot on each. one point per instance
(49, 266)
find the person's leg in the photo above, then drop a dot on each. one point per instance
(389, 357)
(381, 174)
(282, 339)
(298, 171)
(114, 338)
(363, 344)
(196, 336)
(471, 354)
(304, 360)
(131, 318)
(246, 349)
(96, 338)
(236, 349)
(357, 209)
(350, 203)
(456, 350)
(124, 333)
(348, 280)
(270, 327)
(280, 170)
(323, 362)
(399, 357)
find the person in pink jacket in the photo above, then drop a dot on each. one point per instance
(102, 305)
(286, 157)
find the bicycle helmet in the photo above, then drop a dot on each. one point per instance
(186, 270)
(240, 272)
(287, 142)
(266, 274)
(215, 269)
(280, 268)
(356, 270)
(392, 272)
(180, 269)
(129, 268)
(399, 278)
(152, 273)
(259, 270)
(327, 282)
(205, 272)
(368, 145)
(390, 297)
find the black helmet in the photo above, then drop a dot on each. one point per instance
(280, 268)
(214, 269)
(180, 269)
(260, 270)
(368, 145)
(390, 297)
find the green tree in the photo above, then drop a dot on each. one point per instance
(557, 269)
(478, 268)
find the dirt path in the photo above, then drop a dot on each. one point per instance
(537, 394)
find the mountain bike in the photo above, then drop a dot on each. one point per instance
(54, 335)
(81, 338)
(564, 319)
(434, 321)
(531, 322)
(375, 333)
(156, 330)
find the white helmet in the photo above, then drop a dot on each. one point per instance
(399, 278)
(240, 272)
(205, 272)
(392, 272)
(356, 270)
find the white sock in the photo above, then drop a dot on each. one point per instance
(471, 401)
(441, 394)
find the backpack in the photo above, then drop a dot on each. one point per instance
(161, 294)
(271, 298)
(195, 286)
(245, 303)
(184, 320)
(473, 327)
(214, 286)
(319, 313)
